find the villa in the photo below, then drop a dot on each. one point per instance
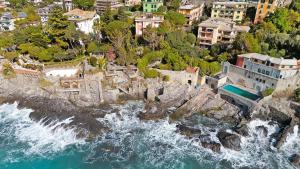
(84, 20)
(152, 5)
(259, 72)
(102, 5)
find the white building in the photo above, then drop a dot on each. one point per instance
(84, 20)
(132, 2)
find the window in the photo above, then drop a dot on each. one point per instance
(249, 77)
(238, 11)
(264, 81)
(267, 73)
(255, 60)
(259, 70)
(256, 79)
(259, 80)
(263, 71)
(215, 10)
(282, 66)
(263, 62)
(272, 64)
(245, 66)
(272, 84)
(291, 66)
(280, 76)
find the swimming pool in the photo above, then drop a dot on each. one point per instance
(241, 92)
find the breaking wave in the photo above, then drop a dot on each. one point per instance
(32, 138)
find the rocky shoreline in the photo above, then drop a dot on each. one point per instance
(48, 105)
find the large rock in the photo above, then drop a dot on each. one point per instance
(188, 131)
(295, 160)
(216, 147)
(242, 130)
(229, 140)
(263, 130)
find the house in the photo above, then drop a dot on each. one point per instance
(218, 30)
(103, 5)
(132, 2)
(264, 8)
(2, 4)
(84, 20)
(235, 10)
(152, 5)
(259, 72)
(145, 20)
(191, 11)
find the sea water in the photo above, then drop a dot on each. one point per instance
(132, 144)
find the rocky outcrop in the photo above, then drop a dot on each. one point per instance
(295, 160)
(214, 146)
(188, 131)
(229, 140)
(263, 130)
(242, 130)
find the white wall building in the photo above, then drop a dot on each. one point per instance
(84, 20)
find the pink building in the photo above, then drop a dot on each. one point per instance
(145, 20)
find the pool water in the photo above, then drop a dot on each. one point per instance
(241, 92)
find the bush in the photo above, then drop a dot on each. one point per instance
(267, 92)
(93, 61)
(150, 73)
(297, 95)
(166, 78)
(8, 70)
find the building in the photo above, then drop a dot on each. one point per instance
(145, 20)
(102, 5)
(258, 72)
(229, 9)
(152, 5)
(188, 76)
(132, 2)
(263, 9)
(45, 12)
(2, 4)
(218, 30)
(68, 5)
(7, 22)
(84, 20)
(192, 12)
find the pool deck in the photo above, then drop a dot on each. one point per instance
(238, 99)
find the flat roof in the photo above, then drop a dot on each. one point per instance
(279, 61)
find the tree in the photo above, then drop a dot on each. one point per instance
(84, 4)
(17, 3)
(284, 19)
(246, 42)
(150, 36)
(174, 5)
(118, 34)
(57, 27)
(175, 18)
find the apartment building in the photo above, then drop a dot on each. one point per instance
(218, 30)
(192, 12)
(258, 72)
(145, 20)
(229, 9)
(102, 5)
(132, 2)
(264, 8)
(152, 5)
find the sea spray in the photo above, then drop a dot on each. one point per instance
(35, 137)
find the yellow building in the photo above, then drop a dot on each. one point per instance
(229, 9)
(192, 12)
(263, 9)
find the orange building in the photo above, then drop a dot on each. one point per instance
(263, 9)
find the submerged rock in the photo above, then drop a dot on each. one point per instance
(188, 131)
(295, 160)
(214, 146)
(229, 140)
(242, 130)
(263, 130)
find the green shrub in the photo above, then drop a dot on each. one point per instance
(166, 78)
(93, 61)
(150, 73)
(297, 95)
(267, 92)
(8, 71)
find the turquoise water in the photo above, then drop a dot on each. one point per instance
(131, 144)
(241, 92)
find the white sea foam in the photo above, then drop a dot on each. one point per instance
(41, 139)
